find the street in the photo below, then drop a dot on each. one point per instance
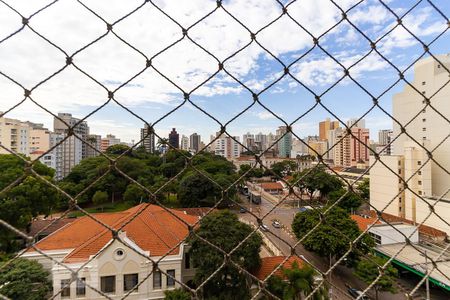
(342, 276)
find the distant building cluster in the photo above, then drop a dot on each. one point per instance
(58, 149)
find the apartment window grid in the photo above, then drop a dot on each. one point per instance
(108, 283)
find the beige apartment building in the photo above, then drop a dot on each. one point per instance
(428, 180)
(14, 135)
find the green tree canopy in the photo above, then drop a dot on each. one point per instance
(224, 230)
(368, 269)
(24, 279)
(350, 201)
(177, 294)
(364, 188)
(333, 236)
(317, 180)
(100, 197)
(295, 283)
(117, 149)
(25, 200)
(285, 167)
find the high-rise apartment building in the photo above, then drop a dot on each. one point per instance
(73, 149)
(95, 141)
(350, 150)
(39, 137)
(14, 135)
(384, 140)
(248, 140)
(148, 139)
(285, 143)
(184, 145)
(428, 180)
(261, 141)
(174, 139)
(108, 141)
(194, 142)
(326, 126)
(354, 122)
(226, 146)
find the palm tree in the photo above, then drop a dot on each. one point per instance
(296, 283)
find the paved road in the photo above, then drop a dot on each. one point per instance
(342, 276)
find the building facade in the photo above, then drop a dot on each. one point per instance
(117, 267)
(174, 139)
(14, 135)
(326, 126)
(108, 141)
(285, 143)
(74, 149)
(147, 139)
(194, 142)
(427, 181)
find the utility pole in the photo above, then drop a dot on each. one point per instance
(427, 281)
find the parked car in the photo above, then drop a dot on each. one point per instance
(242, 210)
(356, 293)
(264, 227)
(276, 224)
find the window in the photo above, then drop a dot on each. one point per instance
(419, 182)
(423, 82)
(187, 261)
(424, 110)
(399, 171)
(424, 129)
(439, 66)
(420, 192)
(419, 162)
(108, 284)
(65, 288)
(130, 281)
(170, 280)
(419, 172)
(376, 238)
(424, 120)
(156, 280)
(81, 287)
(423, 92)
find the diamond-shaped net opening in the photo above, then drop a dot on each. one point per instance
(239, 215)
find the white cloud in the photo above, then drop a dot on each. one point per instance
(265, 115)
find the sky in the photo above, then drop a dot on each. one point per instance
(116, 61)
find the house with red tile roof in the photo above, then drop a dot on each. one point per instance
(268, 264)
(115, 263)
(272, 187)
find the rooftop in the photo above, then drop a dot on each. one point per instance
(272, 186)
(364, 222)
(154, 229)
(268, 264)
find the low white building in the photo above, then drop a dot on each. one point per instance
(116, 266)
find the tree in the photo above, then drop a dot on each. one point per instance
(364, 189)
(27, 199)
(285, 167)
(317, 180)
(100, 198)
(295, 282)
(134, 194)
(24, 279)
(350, 202)
(195, 190)
(117, 149)
(177, 294)
(333, 236)
(368, 270)
(224, 230)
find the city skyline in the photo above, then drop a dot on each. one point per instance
(152, 97)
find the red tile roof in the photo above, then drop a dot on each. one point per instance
(47, 226)
(363, 222)
(268, 264)
(272, 186)
(154, 230)
(423, 229)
